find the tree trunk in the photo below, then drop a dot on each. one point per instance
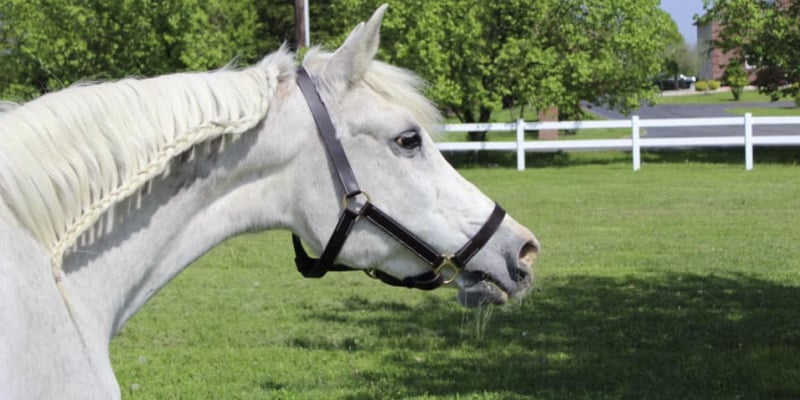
(549, 114)
(484, 115)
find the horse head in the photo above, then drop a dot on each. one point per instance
(383, 125)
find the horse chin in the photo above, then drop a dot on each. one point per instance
(472, 294)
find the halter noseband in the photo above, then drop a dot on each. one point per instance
(357, 205)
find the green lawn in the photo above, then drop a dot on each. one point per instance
(766, 112)
(715, 97)
(680, 281)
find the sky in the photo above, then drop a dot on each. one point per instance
(682, 12)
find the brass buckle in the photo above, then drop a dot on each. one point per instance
(371, 273)
(448, 264)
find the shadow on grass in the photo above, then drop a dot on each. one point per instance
(762, 155)
(667, 336)
(506, 159)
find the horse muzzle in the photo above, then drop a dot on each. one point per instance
(494, 280)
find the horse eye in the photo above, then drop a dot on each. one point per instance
(409, 140)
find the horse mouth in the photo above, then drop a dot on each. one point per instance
(478, 289)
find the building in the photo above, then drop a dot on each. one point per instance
(714, 61)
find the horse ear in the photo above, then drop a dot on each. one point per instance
(351, 61)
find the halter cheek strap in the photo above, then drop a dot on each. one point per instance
(353, 211)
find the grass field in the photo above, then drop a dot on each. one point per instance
(717, 97)
(680, 281)
(766, 111)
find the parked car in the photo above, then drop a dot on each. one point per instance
(665, 82)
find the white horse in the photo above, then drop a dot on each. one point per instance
(110, 190)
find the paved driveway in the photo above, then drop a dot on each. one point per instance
(701, 111)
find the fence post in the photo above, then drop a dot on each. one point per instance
(748, 141)
(520, 144)
(636, 150)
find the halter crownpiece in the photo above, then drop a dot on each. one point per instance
(357, 205)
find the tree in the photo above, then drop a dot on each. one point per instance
(763, 34)
(678, 58)
(480, 55)
(53, 43)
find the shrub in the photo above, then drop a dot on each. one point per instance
(713, 85)
(701, 86)
(736, 78)
(736, 91)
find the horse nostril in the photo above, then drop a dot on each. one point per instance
(529, 253)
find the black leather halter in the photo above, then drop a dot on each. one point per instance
(357, 205)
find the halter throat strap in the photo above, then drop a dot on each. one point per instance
(355, 210)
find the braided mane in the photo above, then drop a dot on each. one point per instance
(69, 156)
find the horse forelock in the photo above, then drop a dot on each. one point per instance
(69, 156)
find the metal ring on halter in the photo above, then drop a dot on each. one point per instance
(347, 198)
(448, 264)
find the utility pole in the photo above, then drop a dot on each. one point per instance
(301, 29)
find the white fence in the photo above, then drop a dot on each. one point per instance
(635, 143)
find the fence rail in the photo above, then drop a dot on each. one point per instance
(634, 144)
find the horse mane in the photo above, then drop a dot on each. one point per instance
(69, 156)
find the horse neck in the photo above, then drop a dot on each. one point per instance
(148, 239)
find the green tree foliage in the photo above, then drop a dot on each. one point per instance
(479, 55)
(763, 34)
(49, 44)
(678, 58)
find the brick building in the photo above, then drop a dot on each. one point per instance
(714, 61)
